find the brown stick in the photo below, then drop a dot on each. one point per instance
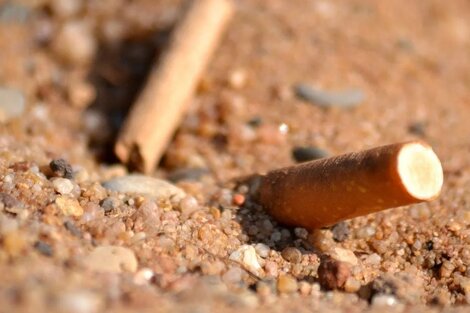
(324, 192)
(161, 105)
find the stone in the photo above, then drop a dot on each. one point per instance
(287, 284)
(44, 248)
(292, 255)
(352, 285)
(69, 206)
(262, 250)
(188, 174)
(304, 154)
(344, 255)
(247, 257)
(384, 300)
(75, 43)
(340, 231)
(63, 186)
(146, 186)
(333, 274)
(344, 99)
(110, 203)
(12, 104)
(61, 168)
(111, 259)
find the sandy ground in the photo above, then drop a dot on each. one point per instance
(79, 65)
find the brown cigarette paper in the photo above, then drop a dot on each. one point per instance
(324, 192)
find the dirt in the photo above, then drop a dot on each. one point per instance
(69, 244)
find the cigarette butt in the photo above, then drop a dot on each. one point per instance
(326, 191)
(162, 103)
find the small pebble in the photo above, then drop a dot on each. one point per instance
(185, 174)
(272, 269)
(112, 259)
(70, 226)
(246, 256)
(344, 255)
(340, 231)
(238, 199)
(12, 104)
(145, 185)
(418, 128)
(61, 168)
(384, 300)
(237, 79)
(305, 154)
(373, 259)
(262, 250)
(292, 255)
(143, 276)
(63, 186)
(333, 274)
(44, 248)
(352, 285)
(344, 99)
(69, 206)
(301, 233)
(75, 43)
(287, 284)
(188, 205)
(110, 203)
(305, 288)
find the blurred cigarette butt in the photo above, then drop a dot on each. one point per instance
(171, 83)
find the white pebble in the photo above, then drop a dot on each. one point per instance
(384, 300)
(63, 186)
(246, 256)
(262, 250)
(344, 255)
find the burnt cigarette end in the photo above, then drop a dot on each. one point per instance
(324, 192)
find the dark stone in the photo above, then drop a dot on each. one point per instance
(429, 245)
(255, 122)
(61, 168)
(109, 204)
(70, 226)
(340, 231)
(418, 128)
(44, 248)
(304, 154)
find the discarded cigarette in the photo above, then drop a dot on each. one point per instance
(326, 191)
(162, 103)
